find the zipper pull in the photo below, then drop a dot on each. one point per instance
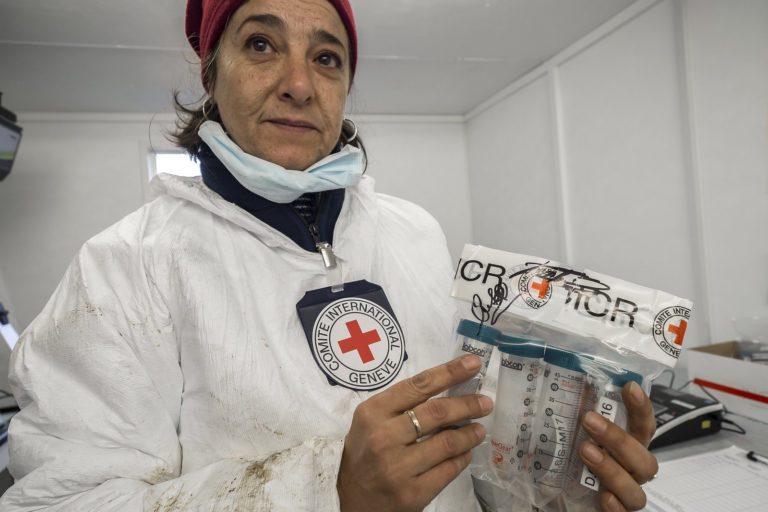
(326, 251)
(329, 259)
(324, 248)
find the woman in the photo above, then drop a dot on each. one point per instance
(215, 351)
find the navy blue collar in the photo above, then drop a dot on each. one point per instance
(280, 216)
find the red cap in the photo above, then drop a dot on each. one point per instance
(206, 20)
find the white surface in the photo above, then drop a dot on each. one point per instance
(9, 335)
(754, 439)
(5, 350)
(424, 162)
(70, 181)
(176, 163)
(728, 56)
(622, 141)
(734, 373)
(5, 295)
(95, 56)
(722, 481)
(512, 175)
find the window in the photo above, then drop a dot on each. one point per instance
(175, 162)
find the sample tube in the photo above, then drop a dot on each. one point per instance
(479, 340)
(519, 375)
(556, 423)
(604, 391)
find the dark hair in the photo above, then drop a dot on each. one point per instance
(189, 117)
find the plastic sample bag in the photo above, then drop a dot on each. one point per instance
(567, 341)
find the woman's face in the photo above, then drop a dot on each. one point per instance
(282, 75)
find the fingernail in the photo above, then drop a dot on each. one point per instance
(479, 431)
(637, 393)
(613, 504)
(592, 453)
(594, 423)
(471, 362)
(486, 404)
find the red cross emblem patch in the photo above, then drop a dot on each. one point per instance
(358, 343)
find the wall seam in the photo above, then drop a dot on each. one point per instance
(693, 170)
(560, 164)
(575, 49)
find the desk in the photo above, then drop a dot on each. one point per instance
(717, 490)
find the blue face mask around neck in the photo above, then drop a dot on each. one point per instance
(276, 183)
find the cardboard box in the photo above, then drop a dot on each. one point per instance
(742, 386)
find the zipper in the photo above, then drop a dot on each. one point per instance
(324, 248)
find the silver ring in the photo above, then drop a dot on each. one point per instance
(415, 422)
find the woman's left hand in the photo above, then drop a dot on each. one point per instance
(629, 464)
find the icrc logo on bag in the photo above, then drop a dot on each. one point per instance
(669, 328)
(534, 286)
(358, 344)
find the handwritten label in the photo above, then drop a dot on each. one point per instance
(607, 409)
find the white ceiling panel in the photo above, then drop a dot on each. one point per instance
(495, 29)
(148, 23)
(93, 79)
(416, 56)
(430, 86)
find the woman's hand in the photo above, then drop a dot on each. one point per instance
(629, 464)
(383, 468)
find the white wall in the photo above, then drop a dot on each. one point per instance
(77, 174)
(5, 296)
(727, 50)
(5, 352)
(72, 178)
(423, 159)
(656, 129)
(515, 192)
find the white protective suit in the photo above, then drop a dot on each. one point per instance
(170, 372)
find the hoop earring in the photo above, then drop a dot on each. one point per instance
(205, 114)
(354, 135)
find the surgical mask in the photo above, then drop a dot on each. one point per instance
(276, 183)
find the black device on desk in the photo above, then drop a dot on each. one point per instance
(681, 416)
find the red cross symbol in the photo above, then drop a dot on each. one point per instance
(543, 287)
(678, 331)
(359, 341)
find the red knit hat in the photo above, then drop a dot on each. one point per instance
(206, 20)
